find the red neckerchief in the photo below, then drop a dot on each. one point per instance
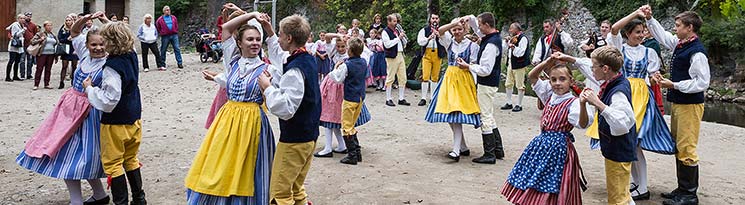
(605, 84)
(688, 40)
(548, 39)
(299, 51)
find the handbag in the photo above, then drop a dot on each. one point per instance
(35, 49)
(16, 42)
(62, 49)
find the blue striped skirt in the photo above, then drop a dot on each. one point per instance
(363, 119)
(654, 135)
(453, 117)
(262, 175)
(79, 158)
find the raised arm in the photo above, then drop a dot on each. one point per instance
(77, 27)
(536, 72)
(625, 20)
(228, 28)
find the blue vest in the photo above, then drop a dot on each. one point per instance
(303, 126)
(617, 148)
(354, 83)
(545, 48)
(129, 108)
(521, 62)
(493, 78)
(440, 49)
(391, 52)
(681, 64)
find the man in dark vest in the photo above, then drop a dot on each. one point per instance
(488, 70)
(433, 54)
(544, 48)
(394, 58)
(690, 79)
(517, 60)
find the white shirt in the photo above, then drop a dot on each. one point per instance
(518, 51)
(619, 114)
(488, 56)
(277, 56)
(543, 90)
(699, 70)
(17, 31)
(389, 42)
(362, 32)
(333, 54)
(311, 47)
(147, 34)
(284, 96)
(566, 40)
(447, 40)
(423, 40)
(636, 53)
(229, 45)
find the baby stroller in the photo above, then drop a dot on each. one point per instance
(207, 46)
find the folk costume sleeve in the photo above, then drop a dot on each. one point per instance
(666, 39)
(107, 96)
(277, 56)
(574, 111)
(619, 114)
(283, 101)
(488, 58)
(339, 74)
(699, 73)
(520, 48)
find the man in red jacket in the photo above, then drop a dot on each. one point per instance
(167, 26)
(28, 61)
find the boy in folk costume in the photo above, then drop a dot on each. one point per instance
(296, 100)
(433, 54)
(616, 122)
(121, 127)
(517, 59)
(487, 69)
(690, 79)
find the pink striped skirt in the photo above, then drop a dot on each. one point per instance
(332, 95)
(569, 193)
(220, 99)
(58, 127)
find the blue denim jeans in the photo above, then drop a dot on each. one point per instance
(173, 40)
(27, 64)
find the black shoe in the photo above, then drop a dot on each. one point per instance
(340, 152)
(351, 157)
(672, 195)
(403, 102)
(465, 153)
(327, 155)
(180, 66)
(489, 156)
(17, 79)
(640, 197)
(506, 107)
(61, 85)
(102, 201)
(135, 185)
(119, 190)
(390, 103)
(422, 102)
(452, 155)
(517, 108)
(687, 199)
(8, 80)
(498, 149)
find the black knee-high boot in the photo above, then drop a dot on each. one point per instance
(119, 190)
(353, 150)
(490, 145)
(135, 185)
(498, 149)
(685, 194)
(359, 148)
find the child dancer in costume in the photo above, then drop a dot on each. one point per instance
(454, 99)
(616, 122)
(66, 145)
(548, 171)
(332, 93)
(121, 128)
(689, 80)
(294, 97)
(641, 62)
(233, 164)
(351, 73)
(377, 61)
(322, 57)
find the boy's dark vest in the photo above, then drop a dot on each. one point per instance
(441, 52)
(521, 62)
(354, 83)
(493, 78)
(391, 52)
(545, 47)
(128, 109)
(681, 64)
(303, 126)
(617, 148)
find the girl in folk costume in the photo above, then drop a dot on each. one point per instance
(322, 57)
(367, 56)
(454, 99)
(639, 63)
(233, 164)
(548, 171)
(332, 94)
(377, 60)
(66, 145)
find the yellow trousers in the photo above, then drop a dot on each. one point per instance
(396, 69)
(684, 126)
(350, 111)
(431, 65)
(119, 147)
(617, 176)
(289, 169)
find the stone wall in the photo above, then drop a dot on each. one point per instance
(49, 10)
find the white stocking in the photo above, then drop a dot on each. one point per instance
(329, 139)
(457, 137)
(508, 91)
(339, 140)
(520, 94)
(639, 172)
(76, 196)
(425, 87)
(98, 191)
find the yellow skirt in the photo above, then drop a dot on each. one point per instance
(225, 163)
(639, 100)
(457, 92)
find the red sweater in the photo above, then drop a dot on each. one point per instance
(162, 27)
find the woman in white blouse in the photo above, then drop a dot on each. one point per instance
(16, 30)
